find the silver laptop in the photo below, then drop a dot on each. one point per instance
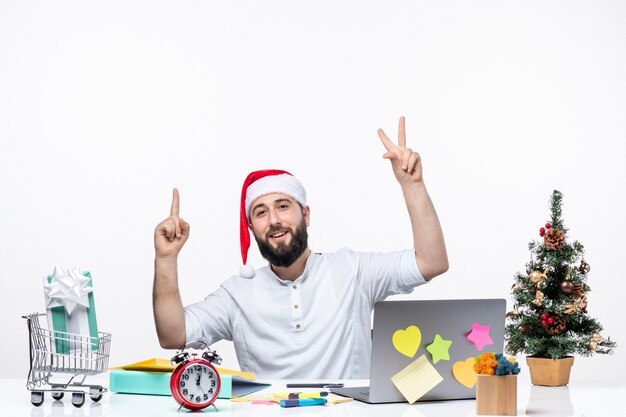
(452, 320)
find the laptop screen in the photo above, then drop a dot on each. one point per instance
(448, 333)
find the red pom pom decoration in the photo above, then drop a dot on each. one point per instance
(543, 322)
(550, 320)
(542, 232)
(544, 316)
(548, 225)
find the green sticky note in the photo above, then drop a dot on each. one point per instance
(439, 349)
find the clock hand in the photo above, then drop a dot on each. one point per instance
(198, 383)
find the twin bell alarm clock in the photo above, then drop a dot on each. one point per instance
(195, 383)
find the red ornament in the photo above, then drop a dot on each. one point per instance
(550, 320)
(523, 329)
(544, 316)
(542, 232)
(548, 225)
(543, 322)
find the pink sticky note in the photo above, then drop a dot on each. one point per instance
(264, 402)
(480, 335)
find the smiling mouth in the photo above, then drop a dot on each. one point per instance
(278, 235)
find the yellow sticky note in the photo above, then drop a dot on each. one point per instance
(336, 399)
(416, 379)
(407, 341)
(464, 372)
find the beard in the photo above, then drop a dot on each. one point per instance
(284, 255)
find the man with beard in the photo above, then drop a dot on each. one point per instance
(305, 315)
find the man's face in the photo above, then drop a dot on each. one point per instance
(279, 225)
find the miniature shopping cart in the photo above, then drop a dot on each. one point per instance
(54, 352)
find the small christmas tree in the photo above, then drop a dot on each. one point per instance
(549, 317)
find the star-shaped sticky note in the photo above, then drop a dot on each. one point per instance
(439, 349)
(480, 335)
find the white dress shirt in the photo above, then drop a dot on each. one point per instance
(318, 326)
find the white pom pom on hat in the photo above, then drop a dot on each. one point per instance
(246, 271)
(257, 184)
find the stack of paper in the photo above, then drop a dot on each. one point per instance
(152, 377)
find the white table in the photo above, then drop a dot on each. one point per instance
(574, 400)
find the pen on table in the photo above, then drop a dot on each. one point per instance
(296, 395)
(303, 402)
(315, 385)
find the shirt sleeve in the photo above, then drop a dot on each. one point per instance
(384, 274)
(210, 320)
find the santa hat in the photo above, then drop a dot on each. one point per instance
(257, 184)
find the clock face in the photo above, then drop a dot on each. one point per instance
(198, 384)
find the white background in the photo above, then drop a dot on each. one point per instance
(105, 106)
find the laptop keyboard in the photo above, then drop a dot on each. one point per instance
(358, 393)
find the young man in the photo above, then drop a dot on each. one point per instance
(305, 315)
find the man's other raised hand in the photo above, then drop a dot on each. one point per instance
(171, 234)
(406, 164)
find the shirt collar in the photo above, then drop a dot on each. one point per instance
(310, 262)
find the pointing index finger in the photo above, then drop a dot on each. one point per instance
(175, 203)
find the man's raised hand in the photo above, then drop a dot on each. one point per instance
(406, 164)
(171, 234)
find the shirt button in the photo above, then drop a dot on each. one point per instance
(295, 287)
(297, 326)
(295, 306)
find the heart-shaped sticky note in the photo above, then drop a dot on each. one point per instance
(464, 372)
(407, 341)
